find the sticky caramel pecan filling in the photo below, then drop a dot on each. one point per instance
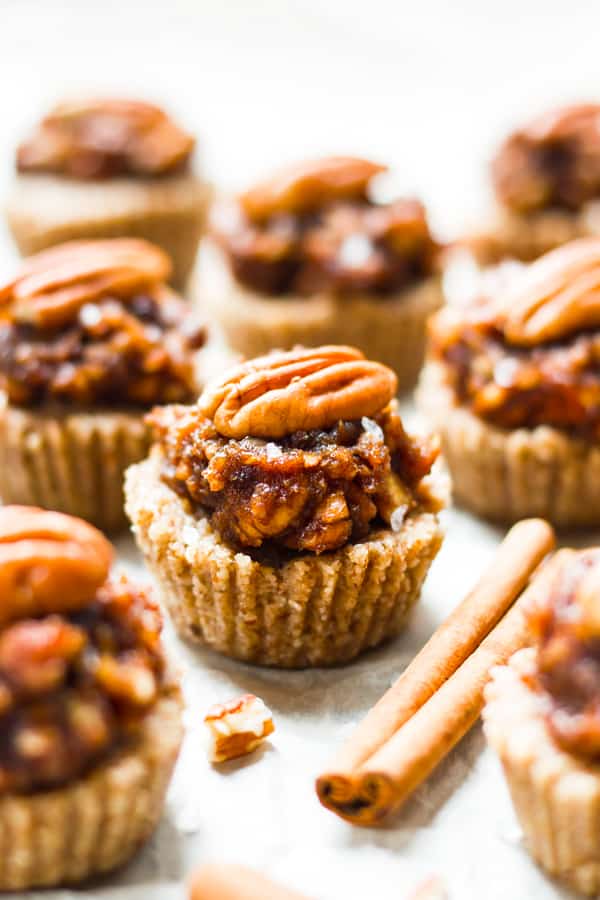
(557, 384)
(553, 162)
(565, 623)
(134, 354)
(311, 490)
(314, 229)
(92, 323)
(531, 355)
(75, 688)
(106, 138)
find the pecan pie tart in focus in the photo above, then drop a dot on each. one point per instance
(513, 386)
(109, 168)
(90, 339)
(288, 517)
(542, 717)
(546, 178)
(308, 258)
(90, 716)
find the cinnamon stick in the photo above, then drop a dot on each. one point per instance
(439, 696)
(229, 882)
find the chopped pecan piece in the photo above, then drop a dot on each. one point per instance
(103, 138)
(281, 393)
(238, 727)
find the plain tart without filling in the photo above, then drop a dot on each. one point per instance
(310, 258)
(288, 517)
(546, 178)
(542, 717)
(513, 386)
(90, 717)
(90, 339)
(104, 168)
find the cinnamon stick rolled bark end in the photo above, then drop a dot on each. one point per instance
(364, 799)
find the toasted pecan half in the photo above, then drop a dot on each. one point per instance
(558, 296)
(49, 562)
(53, 285)
(308, 185)
(281, 393)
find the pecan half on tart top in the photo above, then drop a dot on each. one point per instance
(308, 258)
(542, 717)
(106, 168)
(90, 339)
(546, 178)
(513, 385)
(288, 517)
(90, 716)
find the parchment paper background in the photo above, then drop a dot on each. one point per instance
(428, 87)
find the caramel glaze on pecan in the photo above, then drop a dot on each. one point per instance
(565, 624)
(532, 355)
(92, 322)
(80, 655)
(552, 162)
(291, 453)
(105, 138)
(313, 228)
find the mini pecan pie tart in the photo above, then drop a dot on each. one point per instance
(288, 517)
(90, 716)
(542, 717)
(308, 258)
(513, 385)
(546, 178)
(90, 339)
(109, 168)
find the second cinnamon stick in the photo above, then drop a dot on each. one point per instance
(519, 554)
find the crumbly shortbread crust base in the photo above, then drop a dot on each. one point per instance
(70, 462)
(510, 475)
(44, 210)
(390, 330)
(555, 795)
(97, 823)
(307, 611)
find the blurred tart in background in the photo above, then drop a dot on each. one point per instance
(310, 258)
(109, 168)
(91, 338)
(288, 517)
(90, 716)
(512, 384)
(546, 178)
(542, 717)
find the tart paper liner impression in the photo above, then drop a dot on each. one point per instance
(506, 475)
(71, 462)
(96, 823)
(45, 210)
(390, 330)
(305, 611)
(556, 796)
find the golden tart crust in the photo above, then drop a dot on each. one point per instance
(304, 611)
(555, 795)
